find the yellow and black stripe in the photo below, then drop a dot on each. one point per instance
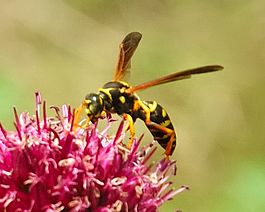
(159, 125)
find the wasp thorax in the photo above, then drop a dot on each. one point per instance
(94, 105)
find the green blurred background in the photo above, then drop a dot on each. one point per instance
(65, 49)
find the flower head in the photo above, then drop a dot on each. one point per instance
(47, 164)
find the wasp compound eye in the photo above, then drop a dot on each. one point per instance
(94, 104)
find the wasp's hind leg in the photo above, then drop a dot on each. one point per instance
(168, 138)
(169, 133)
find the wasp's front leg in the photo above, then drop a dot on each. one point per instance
(77, 115)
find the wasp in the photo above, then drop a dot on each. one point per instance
(120, 98)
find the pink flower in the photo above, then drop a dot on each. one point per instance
(47, 164)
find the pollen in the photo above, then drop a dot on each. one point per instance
(66, 162)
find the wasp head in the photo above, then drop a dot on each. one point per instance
(94, 106)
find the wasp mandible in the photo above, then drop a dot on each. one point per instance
(119, 97)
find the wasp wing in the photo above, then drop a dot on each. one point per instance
(127, 49)
(175, 76)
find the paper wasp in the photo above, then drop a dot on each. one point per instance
(119, 97)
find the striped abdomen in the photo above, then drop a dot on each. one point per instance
(163, 132)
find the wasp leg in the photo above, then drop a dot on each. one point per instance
(77, 115)
(131, 127)
(169, 132)
(146, 110)
(127, 127)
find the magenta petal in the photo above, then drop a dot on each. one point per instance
(49, 164)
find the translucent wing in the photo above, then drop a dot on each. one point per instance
(127, 49)
(176, 76)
